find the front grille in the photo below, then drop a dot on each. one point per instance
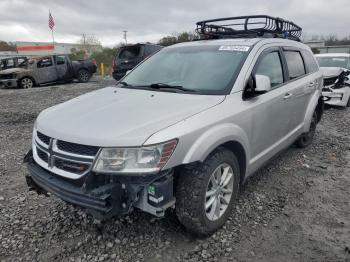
(45, 139)
(77, 148)
(42, 155)
(57, 153)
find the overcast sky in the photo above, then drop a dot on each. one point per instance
(149, 20)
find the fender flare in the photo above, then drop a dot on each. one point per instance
(314, 101)
(213, 138)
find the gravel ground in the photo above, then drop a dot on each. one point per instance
(297, 208)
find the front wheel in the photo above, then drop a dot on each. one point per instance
(26, 82)
(205, 192)
(306, 138)
(83, 76)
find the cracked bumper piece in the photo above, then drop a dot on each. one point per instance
(102, 202)
(8, 83)
(104, 196)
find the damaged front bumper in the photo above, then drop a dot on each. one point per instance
(103, 196)
(8, 83)
(336, 97)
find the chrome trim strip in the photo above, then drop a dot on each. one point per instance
(56, 149)
(50, 151)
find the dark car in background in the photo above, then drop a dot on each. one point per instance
(130, 56)
(13, 62)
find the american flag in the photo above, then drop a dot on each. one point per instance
(51, 22)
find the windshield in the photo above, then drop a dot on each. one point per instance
(205, 69)
(334, 62)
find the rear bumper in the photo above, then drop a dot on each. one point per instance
(8, 83)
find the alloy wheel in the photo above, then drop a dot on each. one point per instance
(219, 191)
(26, 83)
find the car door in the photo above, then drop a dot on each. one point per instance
(45, 70)
(61, 67)
(270, 117)
(299, 87)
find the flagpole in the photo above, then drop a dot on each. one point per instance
(53, 40)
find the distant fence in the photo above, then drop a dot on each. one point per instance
(333, 49)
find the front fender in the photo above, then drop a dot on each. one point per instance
(311, 109)
(213, 138)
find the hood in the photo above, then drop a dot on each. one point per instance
(12, 70)
(329, 72)
(119, 116)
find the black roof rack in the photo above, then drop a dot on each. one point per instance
(248, 26)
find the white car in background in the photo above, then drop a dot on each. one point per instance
(336, 68)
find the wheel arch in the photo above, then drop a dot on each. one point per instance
(314, 105)
(240, 153)
(228, 136)
(27, 76)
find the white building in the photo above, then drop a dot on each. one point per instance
(45, 48)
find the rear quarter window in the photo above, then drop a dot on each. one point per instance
(310, 62)
(295, 64)
(130, 52)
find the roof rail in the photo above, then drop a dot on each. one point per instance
(248, 26)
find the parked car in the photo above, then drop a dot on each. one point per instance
(336, 68)
(130, 56)
(185, 128)
(47, 69)
(12, 62)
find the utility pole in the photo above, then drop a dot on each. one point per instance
(126, 42)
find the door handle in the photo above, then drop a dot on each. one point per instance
(287, 95)
(311, 84)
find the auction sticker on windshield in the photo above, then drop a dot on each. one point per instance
(241, 48)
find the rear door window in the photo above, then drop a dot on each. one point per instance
(129, 53)
(60, 60)
(271, 66)
(295, 64)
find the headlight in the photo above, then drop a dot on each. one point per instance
(147, 159)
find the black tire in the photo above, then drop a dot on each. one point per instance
(306, 139)
(83, 76)
(26, 82)
(191, 190)
(348, 104)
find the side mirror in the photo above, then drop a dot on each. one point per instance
(262, 84)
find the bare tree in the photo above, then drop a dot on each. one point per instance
(5, 46)
(90, 44)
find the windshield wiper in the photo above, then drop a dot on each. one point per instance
(163, 85)
(123, 83)
(159, 86)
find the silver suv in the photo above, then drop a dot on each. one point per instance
(184, 130)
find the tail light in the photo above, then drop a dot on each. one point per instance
(113, 64)
(94, 62)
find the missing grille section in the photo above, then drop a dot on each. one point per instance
(72, 167)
